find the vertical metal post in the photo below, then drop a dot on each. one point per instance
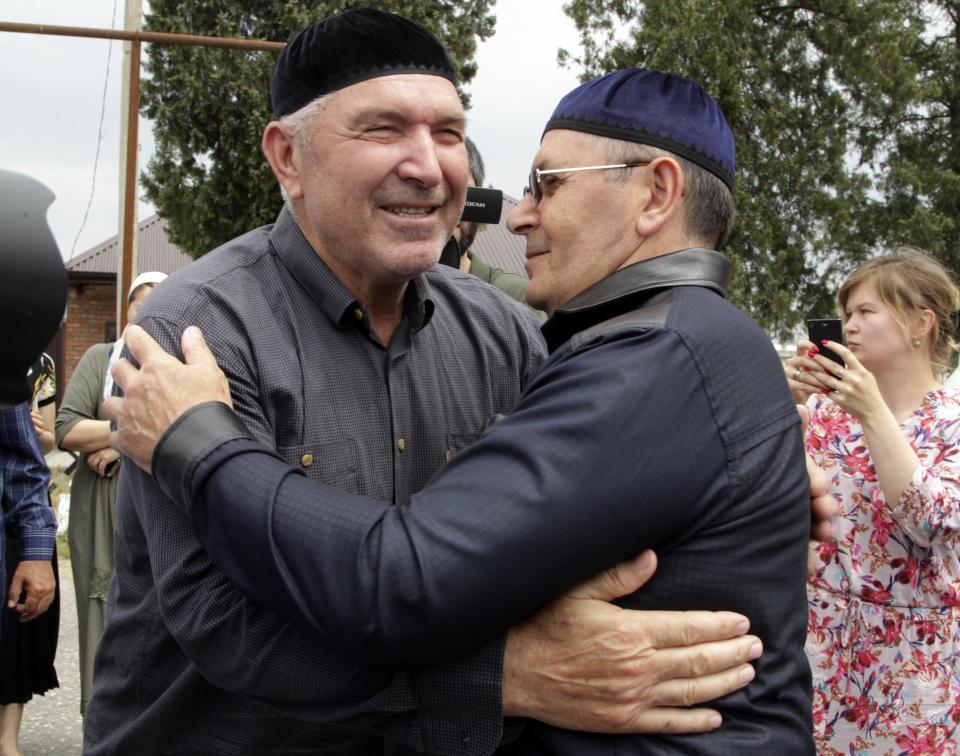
(127, 248)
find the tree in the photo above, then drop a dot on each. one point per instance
(208, 176)
(921, 185)
(817, 95)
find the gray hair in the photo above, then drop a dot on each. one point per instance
(476, 162)
(710, 209)
(301, 124)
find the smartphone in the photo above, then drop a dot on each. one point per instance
(819, 329)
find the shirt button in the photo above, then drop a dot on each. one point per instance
(306, 460)
(358, 313)
(401, 444)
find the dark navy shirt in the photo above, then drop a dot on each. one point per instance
(187, 663)
(661, 419)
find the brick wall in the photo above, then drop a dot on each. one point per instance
(91, 319)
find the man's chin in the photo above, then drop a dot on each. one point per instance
(538, 302)
(411, 263)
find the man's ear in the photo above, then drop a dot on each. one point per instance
(280, 149)
(662, 182)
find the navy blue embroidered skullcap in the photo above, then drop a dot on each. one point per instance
(659, 109)
(353, 46)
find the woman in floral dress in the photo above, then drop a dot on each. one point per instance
(884, 632)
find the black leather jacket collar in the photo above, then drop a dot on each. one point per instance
(630, 287)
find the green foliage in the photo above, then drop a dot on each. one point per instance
(209, 106)
(845, 118)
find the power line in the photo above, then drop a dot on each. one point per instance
(96, 157)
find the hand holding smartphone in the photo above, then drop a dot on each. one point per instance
(830, 329)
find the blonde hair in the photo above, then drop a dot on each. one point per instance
(909, 280)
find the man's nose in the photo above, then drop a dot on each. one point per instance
(421, 161)
(524, 217)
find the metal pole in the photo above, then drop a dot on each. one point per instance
(127, 268)
(143, 36)
(126, 265)
(127, 262)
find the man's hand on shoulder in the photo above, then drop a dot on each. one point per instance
(582, 663)
(161, 390)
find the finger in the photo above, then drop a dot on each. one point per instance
(195, 349)
(678, 692)
(43, 600)
(819, 488)
(823, 374)
(620, 580)
(123, 372)
(111, 408)
(29, 606)
(140, 344)
(16, 588)
(804, 418)
(813, 559)
(680, 629)
(845, 354)
(28, 615)
(823, 531)
(668, 721)
(42, 605)
(701, 661)
(824, 508)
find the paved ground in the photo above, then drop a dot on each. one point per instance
(52, 725)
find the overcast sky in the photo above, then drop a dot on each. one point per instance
(52, 94)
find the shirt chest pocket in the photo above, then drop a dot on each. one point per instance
(334, 463)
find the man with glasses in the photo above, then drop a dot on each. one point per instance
(661, 419)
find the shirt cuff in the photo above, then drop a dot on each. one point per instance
(186, 443)
(461, 703)
(37, 545)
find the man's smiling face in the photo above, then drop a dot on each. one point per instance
(384, 179)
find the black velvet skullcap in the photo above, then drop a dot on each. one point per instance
(353, 46)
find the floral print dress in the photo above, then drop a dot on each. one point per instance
(884, 633)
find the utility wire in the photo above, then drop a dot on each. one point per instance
(96, 157)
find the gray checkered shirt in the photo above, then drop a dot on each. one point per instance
(187, 664)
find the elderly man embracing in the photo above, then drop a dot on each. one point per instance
(341, 342)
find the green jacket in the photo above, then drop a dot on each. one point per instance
(512, 283)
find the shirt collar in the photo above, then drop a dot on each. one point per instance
(326, 290)
(627, 288)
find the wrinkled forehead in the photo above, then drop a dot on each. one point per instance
(568, 147)
(419, 95)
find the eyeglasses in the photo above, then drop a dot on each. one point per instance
(536, 189)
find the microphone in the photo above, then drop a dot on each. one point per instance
(482, 205)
